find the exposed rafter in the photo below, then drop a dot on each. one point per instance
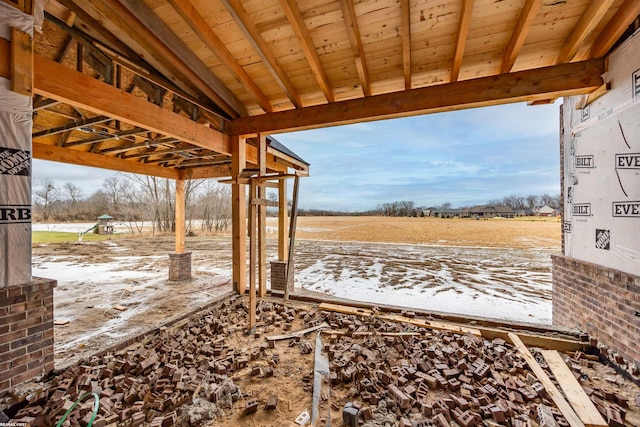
(520, 32)
(628, 11)
(544, 83)
(302, 33)
(120, 20)
(218, 48)
(351, 22)
(244, 22)
(71, 126)
(461, 38)
(405, 30)
(105, 137)
(588, 21)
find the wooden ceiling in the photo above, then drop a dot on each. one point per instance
(241, 67)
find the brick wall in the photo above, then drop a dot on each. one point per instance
(180, 266)
(279, 275)
(26, 332)
(602, 302)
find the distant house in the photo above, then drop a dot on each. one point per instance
(526, 212)
(548, 211)
(428, 212)
(491, 211)
(448, 213)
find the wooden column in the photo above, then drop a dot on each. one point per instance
(262, 218)
(180, 208)
(252, 255)
(283, 215)
(239, 216)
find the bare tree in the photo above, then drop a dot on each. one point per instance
(46, 194)
(214, 206)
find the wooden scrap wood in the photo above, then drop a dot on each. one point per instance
(365, 312)
(535, 340)
(21, 62)
(295, 334)
(582, 405)
(552, 390)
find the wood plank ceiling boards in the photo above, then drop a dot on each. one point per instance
(216, 68)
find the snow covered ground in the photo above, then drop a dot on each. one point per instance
(501, 283)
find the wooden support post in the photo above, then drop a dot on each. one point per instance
(180, 208)
(292, 236)
(283, 216)
(252, 257)
(21, 62)
(239, 216)
(262, 218)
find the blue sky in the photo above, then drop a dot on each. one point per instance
(465, 157)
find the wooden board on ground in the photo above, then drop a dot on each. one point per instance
(582, 405)
(535, 340)
(365, 312)
(552, 390)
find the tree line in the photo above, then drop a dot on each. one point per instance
(136, 200)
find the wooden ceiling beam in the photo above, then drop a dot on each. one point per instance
(351, 22)
(218, 48)
(311, 54)
(519, 35)
(522, 86)
(628, 11)
(405, 30)
(101, 137)
(461, 38)
(251, 32)
(220, 171)
(118, 19)
(588, 21)
(56, 81)
(83, 158)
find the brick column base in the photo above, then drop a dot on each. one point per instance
(180, 266)
(602, 302)
(26, 332)
(279, 276)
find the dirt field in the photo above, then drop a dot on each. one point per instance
(113, 289)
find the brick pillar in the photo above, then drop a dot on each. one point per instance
(26, 332)
(180, 266)
(279, 275)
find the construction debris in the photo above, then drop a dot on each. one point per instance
(380, 372)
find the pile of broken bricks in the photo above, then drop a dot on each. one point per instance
(378, 370)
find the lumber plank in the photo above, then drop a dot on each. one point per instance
(180, 215)
(615, 28)
(295, 334)
(239, 217)
(535, 340)
(582, 405)
(575, 78)
(520, 32)
(588, 21)
(552, 390)
(429, 324)
(283, 217)
(461, 38)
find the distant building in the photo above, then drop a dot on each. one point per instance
(526, 212)
(491, 211)
(548, 211)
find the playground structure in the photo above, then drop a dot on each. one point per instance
(103, 226)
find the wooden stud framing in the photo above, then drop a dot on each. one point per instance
(549, 386)
(218, 48)
(262, 219)
(461, 38)
(252, 256)
(180, 209)
(302, 33)
(520, 32)
(543, 83)
(588, 21)
(282, 220)
(21, 62)
(239, 217)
